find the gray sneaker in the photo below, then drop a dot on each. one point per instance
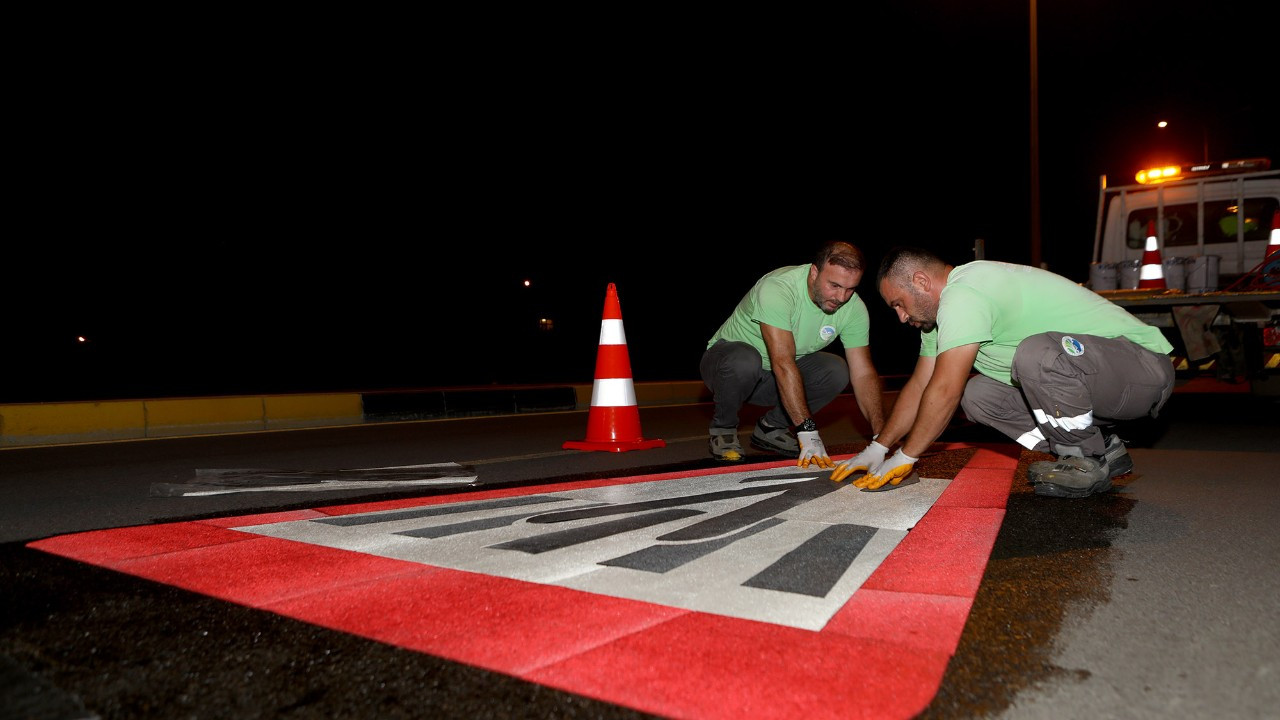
(1118, 457)
(725, 446)
(778, 440)
(1070, 476)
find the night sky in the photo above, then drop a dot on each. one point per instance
(355, 204)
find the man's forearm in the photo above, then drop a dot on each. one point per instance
(937, 405)
(868, 391)
(791, 391)
(903, 415)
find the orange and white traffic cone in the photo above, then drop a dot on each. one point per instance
(1274, 245)
(1151, 274)
(614, 421)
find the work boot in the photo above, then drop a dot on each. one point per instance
(778, 440)
(1118, 457)
(1070, 476)
(725, 446)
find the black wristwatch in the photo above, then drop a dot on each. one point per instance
(807, 426)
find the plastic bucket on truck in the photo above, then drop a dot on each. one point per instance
(1102, 276)
(1175, 272)
(1202, 273)
(1127, 274)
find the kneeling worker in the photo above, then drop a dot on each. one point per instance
(769, 353)
(1056, 364)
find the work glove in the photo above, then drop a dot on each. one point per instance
(891, 471)
(870, 457)
(812, 451)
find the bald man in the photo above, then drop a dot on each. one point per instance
(1056, 365)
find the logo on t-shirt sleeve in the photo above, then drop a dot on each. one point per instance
(1072, 346)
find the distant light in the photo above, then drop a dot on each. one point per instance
(81, 338)
(1162, 123)
(527, 283)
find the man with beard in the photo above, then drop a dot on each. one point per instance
(1055, 362)
(769, 352)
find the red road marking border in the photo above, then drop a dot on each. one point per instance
(882, 655)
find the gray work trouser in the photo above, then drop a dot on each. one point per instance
(1065, 391)
(735, 374)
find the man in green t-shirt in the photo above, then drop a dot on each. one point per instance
(769, 353)
(1055, 362)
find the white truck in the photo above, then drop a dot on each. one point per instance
(1214, 226)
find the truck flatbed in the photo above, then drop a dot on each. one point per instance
(1165, 298)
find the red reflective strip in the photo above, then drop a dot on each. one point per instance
(612, 361)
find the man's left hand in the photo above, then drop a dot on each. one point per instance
(892, 471)
(869, 459)
(812, 451)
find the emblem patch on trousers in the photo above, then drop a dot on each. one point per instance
(1072, 346)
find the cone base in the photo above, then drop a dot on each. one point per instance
(614, 445)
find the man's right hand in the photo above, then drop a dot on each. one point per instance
(812, 451)
(869, 458)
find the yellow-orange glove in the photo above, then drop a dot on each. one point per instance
(812, 451)
(892, 471)
(869, 458)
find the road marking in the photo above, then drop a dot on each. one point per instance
(783, 545)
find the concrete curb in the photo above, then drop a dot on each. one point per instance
(57, 423)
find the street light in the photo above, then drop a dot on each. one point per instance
(1164, 124)
(1035, 140)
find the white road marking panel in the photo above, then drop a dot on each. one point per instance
(780, 545)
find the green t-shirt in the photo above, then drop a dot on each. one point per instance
(999, 305)
(781, 299)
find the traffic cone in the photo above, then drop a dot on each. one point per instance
(1274, 245)
(614, 421)
(1152, 273)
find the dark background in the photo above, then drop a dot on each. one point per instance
(252, 205)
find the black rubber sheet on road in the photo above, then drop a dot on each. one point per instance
(223, 481)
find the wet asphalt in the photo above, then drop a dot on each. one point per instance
(1158, 599)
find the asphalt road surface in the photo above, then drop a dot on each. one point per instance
(1159, 599)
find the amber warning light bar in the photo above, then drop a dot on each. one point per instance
(1152, 176)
